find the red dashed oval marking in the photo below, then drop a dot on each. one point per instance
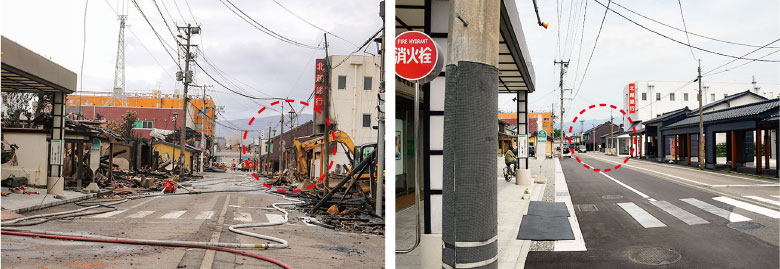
(243, 147)
(574, 152)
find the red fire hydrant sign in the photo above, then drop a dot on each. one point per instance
(416, 56)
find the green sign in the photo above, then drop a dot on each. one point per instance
(542, 136)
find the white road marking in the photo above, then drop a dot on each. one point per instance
(274, 218)
(205, 215)
(679, 213)
(245, 217)
(173, 215)
(762, 199)
(717, 211)
(745, 185)
(641, 216)
(108, 214)
(749, 207)
(623, 184)
(777, 196)
(655, 172)
(140, 214)
(147, 200)
(578, 244)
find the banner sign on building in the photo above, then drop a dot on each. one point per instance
(631, 98)
(94, 155)
(320, 83)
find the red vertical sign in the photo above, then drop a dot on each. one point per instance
(320, 83)
(631, 98)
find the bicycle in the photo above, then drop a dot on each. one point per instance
(509, 173)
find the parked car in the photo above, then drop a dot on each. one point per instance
(531, 151)
(582, 148)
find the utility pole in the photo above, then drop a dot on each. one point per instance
(268, 144)
(380, 143)
(326, 113)
(187, 78)
(564, 65)
(281, 143)
(611, 143)
(701, 123)
(469, 237)
(203, 126)
(593, 131)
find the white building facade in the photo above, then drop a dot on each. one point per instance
(354, 89)
(653, 98)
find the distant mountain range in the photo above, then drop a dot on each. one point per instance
(257, 125)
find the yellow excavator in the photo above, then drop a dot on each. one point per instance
(355, 154)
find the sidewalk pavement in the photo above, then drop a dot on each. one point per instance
(20, 203)
(512, 205)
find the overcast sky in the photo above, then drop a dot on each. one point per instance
(271, 67)
(627, 53)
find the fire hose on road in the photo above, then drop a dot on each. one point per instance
(8, 229)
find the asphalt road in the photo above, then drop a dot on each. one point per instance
(663, 207)
(192, 218)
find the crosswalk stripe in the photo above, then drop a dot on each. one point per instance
(641, 216)
(679, 213)
(749, 207)
(776, 196)
(245, 217)
(108, 214)
(140, 214)
(173, 215)
(762, 199)
(720, 212)
(205, 215)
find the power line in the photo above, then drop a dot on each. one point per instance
(178, 10)
(231, 90)
(681, 30)
(585, 73)
(742, 57)
(165, 45)
(368, 41)
(191, 14)
(675, 40)
(168, 27)
(262, 28)
(315, 26)
(679, 2)
(579, 49)
(735, 67)
(141, 42)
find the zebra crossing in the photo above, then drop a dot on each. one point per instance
(183, 215)
(647, 220)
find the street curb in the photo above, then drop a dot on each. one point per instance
(51, 204)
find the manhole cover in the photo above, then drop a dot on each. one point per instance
(612, 197)
(654, 256)
(587, 207)
(745, 225)
(12, 246)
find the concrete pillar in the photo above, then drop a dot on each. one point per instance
(767, 150)
(733, 149)
(55, 184)
(709, 149)
(758, 151)
(469, 219)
